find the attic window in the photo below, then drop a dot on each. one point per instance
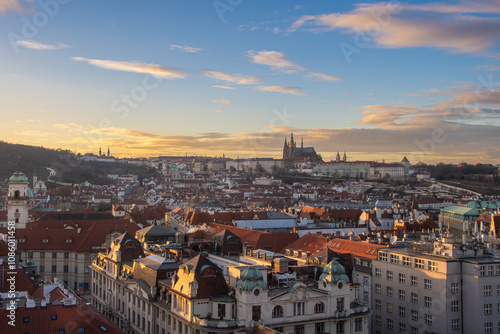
(45, 241)
(209, 272)
(22, 240)
(68, 241)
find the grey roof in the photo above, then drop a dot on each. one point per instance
(158, 263)
(262, 224)
(278, 215)
(155, 231)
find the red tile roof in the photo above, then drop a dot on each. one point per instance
(358, 248)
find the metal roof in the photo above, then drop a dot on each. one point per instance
(263, 224)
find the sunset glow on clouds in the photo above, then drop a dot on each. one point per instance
(379, 80)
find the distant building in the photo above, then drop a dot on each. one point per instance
(290, 150)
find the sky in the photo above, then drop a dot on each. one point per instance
(377, 80)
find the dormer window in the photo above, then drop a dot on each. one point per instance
(68, 241)
(45, 241)
(22, 240)
(209, 272)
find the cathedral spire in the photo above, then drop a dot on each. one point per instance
(337, 158)
(108, 152)
(344, 157)
(100, 151)
(302, 143)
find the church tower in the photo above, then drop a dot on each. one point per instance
(18, 199)
(285, 150)
(344, 159)
(337, 158)
(100, 152)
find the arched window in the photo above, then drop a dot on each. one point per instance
(17, 194)
(319, 307)
(278, 312)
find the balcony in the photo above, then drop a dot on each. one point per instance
(215, 323)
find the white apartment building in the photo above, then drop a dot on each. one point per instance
(446, 285)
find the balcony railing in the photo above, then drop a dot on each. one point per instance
(216, 323)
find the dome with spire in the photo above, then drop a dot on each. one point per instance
(18, 177)
(334, 272)
(250, 278)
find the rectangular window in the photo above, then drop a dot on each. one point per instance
(389, 291)
(497, 269)
(358, 325)
(428, 319)
(482, 270)
(378, 272)
(455, 307)
(488, 327)
(402, 278)
(402, 328)
(54, 255)
(433, 266)
(402, 294)
(340, 304)
(389, 275)
(454, 288)
(487, 309)
(390, 324)
(427, 284)
(66, 255)
(378, 320)
(487, 290)
(406, 261)
(42, 269)
(389, 307)
(414, 298)
(378, 288)
(490, 270)
(427, 301)
(66, 269)
(42, 255)
(378, 304)
(54, 269)
(414, 281)
(402, 311)
(414, 330)
(414, 315)
(298, 329)
(382, 257)
(419, 263)
(455, 324)
(394, 259)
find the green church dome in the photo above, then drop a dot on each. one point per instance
(334, 272)
(18, 177)
(251, 278)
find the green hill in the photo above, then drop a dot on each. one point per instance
(68, 168)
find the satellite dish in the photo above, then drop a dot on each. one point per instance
(394, 239)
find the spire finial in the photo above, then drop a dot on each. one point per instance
(19, 163)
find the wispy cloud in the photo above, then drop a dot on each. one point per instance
(278, 61)
(427, 25)
(10, 5)
(232, 77)
(223, 87)
(184, 48)
(223, 101)
(159, 71)
(31, 44)
(282, 89)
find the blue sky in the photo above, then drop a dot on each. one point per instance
(379, 80)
